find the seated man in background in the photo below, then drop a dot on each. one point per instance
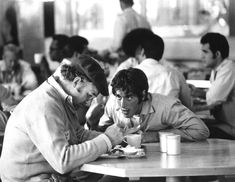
(130, 44)
(162, 79)
(15, 73)
(7, 102)
(134, 108)
(43, 138)
(57, 50)
(220, 97)
(147, 49)
(49, 63)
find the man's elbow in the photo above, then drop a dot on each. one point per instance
(202, 135)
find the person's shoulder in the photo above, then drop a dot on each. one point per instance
(231, 62)
(128, 63)
(164, 99)
(151, 66)
(228, 66)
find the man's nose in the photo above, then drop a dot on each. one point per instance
(123, 102)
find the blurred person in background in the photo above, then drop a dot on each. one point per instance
(44, 140)
(128, 20)
(61, 47)
(162, 79)
(129, 45)
(125, 22)
(15, 73)
(8, 102)
(75, 46)
(220, 97)
(57, 50)
(48, 63)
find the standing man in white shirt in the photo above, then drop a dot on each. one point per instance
(220, 97)
(125, 22)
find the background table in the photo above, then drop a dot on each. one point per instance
(211, 157)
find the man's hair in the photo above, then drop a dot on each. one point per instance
(88, 68)
(61, 39)
(70, 72)
(133, 39)
(128, 2)
(132, 81)
(75, 44)
(153, 47)
(217, 42)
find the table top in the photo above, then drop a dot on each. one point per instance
(210, 157)
(200, 83)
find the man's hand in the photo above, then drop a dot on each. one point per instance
(115, 134)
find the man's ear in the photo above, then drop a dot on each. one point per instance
(77, 80)
(144, 93)
(76, 55)
(217, 54)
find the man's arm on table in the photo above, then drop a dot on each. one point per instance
(180, 120)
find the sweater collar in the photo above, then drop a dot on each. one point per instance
(53, 81)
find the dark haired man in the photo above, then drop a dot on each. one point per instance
(76, 45)
(74, 48)
(43, 138)
(133, 107)
(220, 97)
(57, 47)
(130, 44)
(162, 79)
(49, 63)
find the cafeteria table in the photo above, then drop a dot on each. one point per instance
(213, 157)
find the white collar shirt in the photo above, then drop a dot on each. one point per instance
(159, 78)
(222, 91)
(128, 20)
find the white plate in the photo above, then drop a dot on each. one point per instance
(128, 152)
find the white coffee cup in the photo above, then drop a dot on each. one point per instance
(133, 140)
(38, 58)
(163, 141)
(173, 144)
